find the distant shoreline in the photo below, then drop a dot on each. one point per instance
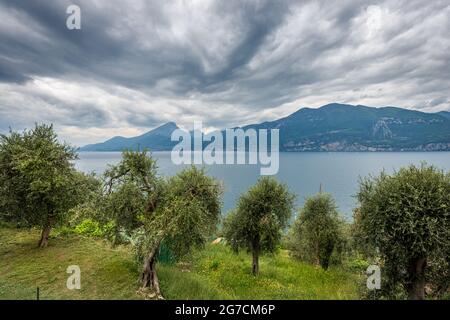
(309, 151)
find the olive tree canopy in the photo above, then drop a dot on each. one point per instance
(38, 182)
(406, 217)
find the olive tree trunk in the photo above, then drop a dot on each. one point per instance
(43, 242)
(255, 261)
(149, 277)
(416, 286)
(325, 257)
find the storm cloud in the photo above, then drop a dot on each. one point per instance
(137, 64)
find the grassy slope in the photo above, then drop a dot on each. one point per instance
(219, 273)
(213, 273)
(105, 273)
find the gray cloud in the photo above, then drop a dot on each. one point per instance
(135, 65)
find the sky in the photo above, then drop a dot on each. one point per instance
(137, 64)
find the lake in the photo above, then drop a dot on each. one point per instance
(302, 172)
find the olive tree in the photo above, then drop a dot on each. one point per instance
(181, 211)
(38, 182)
(406, 217)
(187, 217)
(261, 215)
(317, 231)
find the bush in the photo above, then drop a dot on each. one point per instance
(358, 264)
(93, 228)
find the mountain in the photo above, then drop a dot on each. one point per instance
(342, 127)
(333, 127)
(156, 140)
(444, 114)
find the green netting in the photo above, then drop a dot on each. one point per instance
(164, 254)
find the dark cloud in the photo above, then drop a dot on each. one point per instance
(139, 63)
(8, 72)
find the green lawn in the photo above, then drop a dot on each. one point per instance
(106, 273)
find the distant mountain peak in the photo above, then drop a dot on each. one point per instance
(169, 124)
(165, 129)
(157, 139)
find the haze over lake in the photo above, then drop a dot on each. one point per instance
(302, 172)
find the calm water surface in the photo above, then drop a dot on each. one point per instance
(302, 172)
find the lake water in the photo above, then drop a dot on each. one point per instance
(302, 172)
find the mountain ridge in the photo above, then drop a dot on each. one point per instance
(332, 127)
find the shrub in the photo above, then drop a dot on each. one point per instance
(317, 234)
(93, 228)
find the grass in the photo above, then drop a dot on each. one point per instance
(217, 273)
(106, 273)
